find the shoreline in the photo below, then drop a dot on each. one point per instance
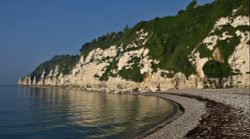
(179, 127)
(225, 114)
(179, 112)
(201, 113)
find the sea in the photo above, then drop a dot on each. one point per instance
(54, 113)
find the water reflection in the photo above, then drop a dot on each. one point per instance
(65, 113)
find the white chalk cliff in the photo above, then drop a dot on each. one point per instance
(89, 69)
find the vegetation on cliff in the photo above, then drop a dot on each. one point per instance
(170, 41)
(63, 63)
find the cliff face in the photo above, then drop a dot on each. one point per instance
(184, 51)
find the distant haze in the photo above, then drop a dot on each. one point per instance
(33, 31)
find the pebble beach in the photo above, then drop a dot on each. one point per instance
(207, 114)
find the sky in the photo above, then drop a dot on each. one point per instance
(33, 31)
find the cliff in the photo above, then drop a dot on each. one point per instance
(202, 47)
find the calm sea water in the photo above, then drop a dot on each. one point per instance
(39, 113)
